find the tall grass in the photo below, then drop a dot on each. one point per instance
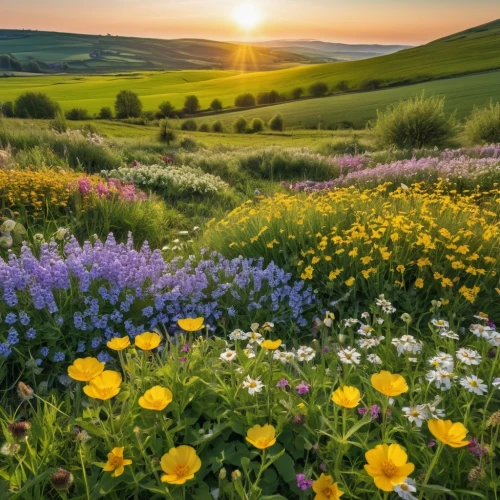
(483, 127)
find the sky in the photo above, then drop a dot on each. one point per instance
(409, 22)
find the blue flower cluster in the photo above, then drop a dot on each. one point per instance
(59, 304)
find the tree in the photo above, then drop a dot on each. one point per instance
(189, 125)
(277, 124)
(35, 105)
(105, 114)
(245, 101)
(128, 105)
(256, 125)
(318, 89)
(217, 127)
(204, 127)
(263, 98)
(274, 96)
(342, 86)
(297, 93)
(77, 114)
(240, 125)
(33, 67)
(165, 133)
(216, 105)
(167, 109)
(7, 109)
(191, 104)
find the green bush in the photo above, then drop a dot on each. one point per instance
(245, 101)
(189, 144)
(77, 114)
(483, 126)
(277, 124)
(167, 109)
(89, 128)
(59, 123)
(297, 93)
(7, 109)
(189, 125)
(318, 89)
(415, 123)
(256, 125)
(216, 105)
(217, 127)
(263, 98)
(342, 86)
(165, 134)
(128, 105)
(35, 105)
(191, 104)
(33, 67)
(274, 97)
(371, 84)
(105, 114)
(204, 127)
(240, 125)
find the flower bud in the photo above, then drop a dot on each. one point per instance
(236, 475)
(19, 430)
(24, 391)
(61, 480)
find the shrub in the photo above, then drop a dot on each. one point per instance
(59, 123)
(483, 127)
(371, 84)
(188, 144)
(35, 105)
(318, 89)
(7, 109)
(77, 114)
(244, 101)
(274, 97)
(128, 105)
(216, 105)
(263, 98)
(240, 125)
(277, 124)
(105, 114)
(148, 115)
(342, 86)
(165, 134)
(189, 125)
(89, 129)
(33, 67)
(191, 104)
(256, 125)
(217, 127)
(204, 127)
(167, 109)
(416, 123)
(297, 93)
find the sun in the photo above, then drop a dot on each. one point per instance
(247, 15)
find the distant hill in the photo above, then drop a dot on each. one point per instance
(69, 52)
(329, 52)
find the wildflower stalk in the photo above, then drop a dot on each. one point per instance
(84, 472)
(431, 467)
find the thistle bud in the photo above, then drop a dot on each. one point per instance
(19, 430)
(24, 391)
(476, 475)
(494, 420)
(61, 480)
(9, 449)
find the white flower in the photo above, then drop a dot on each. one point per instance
(380, 321)
(481, 330)
(10, 449)
(228, 355)
(253, 385)
(481, 317)
(416, 414)
(349, 356)
(474, 384)
(469, 356)
(350, 322)
(373, 358)
(305, 353)
(405, 489)
(407, 343)
(369, 342)
(249, 352)
(8, 226)
(238, 335)
(183, 233)
(365, 330)
(254, 336)
(448, 334)
(328, 321)
(494, 339)
(61, 233)
(386, 306)
(365, 315)
(440, 323)
(443, 361)
(441, 378)
(496, 382)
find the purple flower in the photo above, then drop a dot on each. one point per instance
(303, 483)
(185, 348)
(475, 448)
(303, 388)
(325, 349)
(362, 411)
(323, 466)
(283, 383)
(375, 411)
(183, 359)
(431, 443)
(85, 185)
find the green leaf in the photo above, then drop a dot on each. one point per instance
(437, 489)
(285, 467)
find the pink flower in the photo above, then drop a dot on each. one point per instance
(302, 388)
(84, 185)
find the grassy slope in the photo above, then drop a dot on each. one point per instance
(462, 94)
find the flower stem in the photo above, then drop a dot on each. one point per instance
(431, 467)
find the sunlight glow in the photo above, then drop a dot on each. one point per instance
(247, 15)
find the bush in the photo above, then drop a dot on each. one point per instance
(204, 127)
(7, 109)
(128, 105)
(372, 84)
(167, 109)
(274, 97)
(191, 104)
(415, 123)
(318, 89)
(77, 114)
(240, 125)
(189, 125)
(217, 127)
(263, 98)
(35, 105)
(483, 127)
(33, 67)
(59, 123)
(342, 86)
(256, 125)
(89, 129)
(245, 101)
(149, 115)
(105, 114)
(297, 93)
(277, 124)
(188, 144)
(166, 134)
(216, 105)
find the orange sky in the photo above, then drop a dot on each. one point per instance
(351, 21)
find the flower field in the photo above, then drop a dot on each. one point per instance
(327, 331)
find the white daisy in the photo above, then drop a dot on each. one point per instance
(305, 353)
(228, 355)
(469, 356)
(380, 321)
(374, 359)
(369, 342)
(496, 382)
(365, 315)
(238, 335)
(443, 361)
(249, 352)
(254, 336)
(441, 378)
(405, 489)
(440, 323)
(416, 414)
(481, 330)
(349, 356)
(365, 330)
(448, 334)
(474, 384)
(253, 385)
(407, 343)
(350, 322)
(386, 306)
(494, 339)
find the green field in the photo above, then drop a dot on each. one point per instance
(473, 51)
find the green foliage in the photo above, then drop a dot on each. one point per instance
(245, 101)
(274, 97)
(105, 113)
(483, 127)
(204, 127)
(342, 86)
(256, 125)
(297, 93)
(371, 84)
(318, 89)
(240, 125)
(33, 67)
(59, 123)
(7, 109)
(262, 98)
(416, 123)
(277, 123)
(189, 125)
(77, 114)
(217, 127)
(191, 104)
(167, 109)
(127, 105)
(35, 105)
(188, 144)
(216, 105)
(166, 134)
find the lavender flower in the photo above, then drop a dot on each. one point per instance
(303, 388)
(303, 483)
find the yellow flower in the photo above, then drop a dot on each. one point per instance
(452, 434)
(191, 324)
(271, 345)
(85, 369)
(116, 462)
(147, 341)
(119, 343)
(157, 398)
(389, 384)
(180, 465)
(419, 283)
(346, 396)
(350, 281)
(326, 489)
(104, 386)
(387, 465)
(261, 437)
(400, 268)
